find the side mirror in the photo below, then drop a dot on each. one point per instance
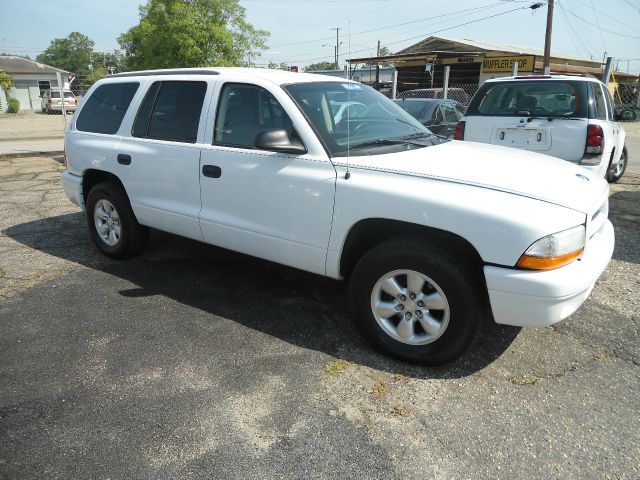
(626, 115)
(278, 140)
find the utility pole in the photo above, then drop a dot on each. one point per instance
(547, 37)
(377, 84)
(337, 29)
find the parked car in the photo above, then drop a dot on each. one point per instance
(568, 117)
(454, 93)
(51, 101)
(439, 116)
(432, 235)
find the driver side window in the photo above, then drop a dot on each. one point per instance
(245, 110)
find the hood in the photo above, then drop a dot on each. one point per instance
(499, 168)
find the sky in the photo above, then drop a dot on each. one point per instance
(301, 30)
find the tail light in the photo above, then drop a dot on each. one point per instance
(595, 140)
(49, 102)
(459, 135)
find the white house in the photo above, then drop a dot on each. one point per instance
(31, 79)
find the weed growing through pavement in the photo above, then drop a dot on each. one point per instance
(336, 367)
(522, 379)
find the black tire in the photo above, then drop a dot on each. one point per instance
(132, 236)
(458, 282)
(615, 172)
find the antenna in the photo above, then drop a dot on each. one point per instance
(347, 175)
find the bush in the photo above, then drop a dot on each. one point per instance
(6, 81)
(14, 105)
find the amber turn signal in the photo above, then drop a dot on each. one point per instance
(548, 263)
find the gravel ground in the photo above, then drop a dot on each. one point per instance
(191, 361)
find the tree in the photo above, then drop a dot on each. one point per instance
(190, 33)
(278, 66)
(314, 67)
(6, 81)
(384, 52)
(72, 53)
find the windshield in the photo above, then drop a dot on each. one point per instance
(350, 116)
(531, 98)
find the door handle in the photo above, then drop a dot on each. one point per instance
(212, 171)
(124, 159)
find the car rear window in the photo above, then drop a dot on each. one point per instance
(171, 111)
(531, 98)
(412, 108)
(55, 94)
(104, 110)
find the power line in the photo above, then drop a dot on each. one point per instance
(427, 34)
(467, 11)
(592, 24)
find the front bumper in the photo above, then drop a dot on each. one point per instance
(72, 185)
(528, 298)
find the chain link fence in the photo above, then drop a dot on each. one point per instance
(461, 92)
(625, 95)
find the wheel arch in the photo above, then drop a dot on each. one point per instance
(91, 177)
(368, 233)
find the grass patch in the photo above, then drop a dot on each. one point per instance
(336, 367)
(400, 411)
(600, 356)
(522, 379)
(380, 386)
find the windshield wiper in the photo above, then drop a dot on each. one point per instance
(388, 141)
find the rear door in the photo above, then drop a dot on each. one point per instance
(545, 116)
(159, 161)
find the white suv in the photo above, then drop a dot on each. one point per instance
(433, 235)
(569, 117)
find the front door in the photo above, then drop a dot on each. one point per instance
(272, 205)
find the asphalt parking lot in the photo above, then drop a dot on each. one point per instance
(195, 362)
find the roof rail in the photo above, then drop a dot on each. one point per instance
(178, 71)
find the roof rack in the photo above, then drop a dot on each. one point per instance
(178, 71)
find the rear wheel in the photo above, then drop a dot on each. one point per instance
(615, 171)
(416, 301)
(113, 225)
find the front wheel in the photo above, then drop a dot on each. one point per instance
(416, 302)
(112, 223)
(615, 171)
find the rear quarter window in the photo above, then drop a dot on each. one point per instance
(530, 98)
(104, 110)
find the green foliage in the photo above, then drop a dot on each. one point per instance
(190, 33)
(14, 105)
(384, 52)
(6, 81)
(72, 53)
(278, 66)
(314, 67)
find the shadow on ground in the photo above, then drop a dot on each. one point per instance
(623, 213)
(297, 307)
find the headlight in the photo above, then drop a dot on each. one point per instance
(554, 251)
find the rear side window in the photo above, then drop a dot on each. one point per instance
(171, 111)
(104, 110)
(530, 98)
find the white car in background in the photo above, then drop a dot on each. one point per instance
(568, 117)
(51, 101)
(433, 235)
